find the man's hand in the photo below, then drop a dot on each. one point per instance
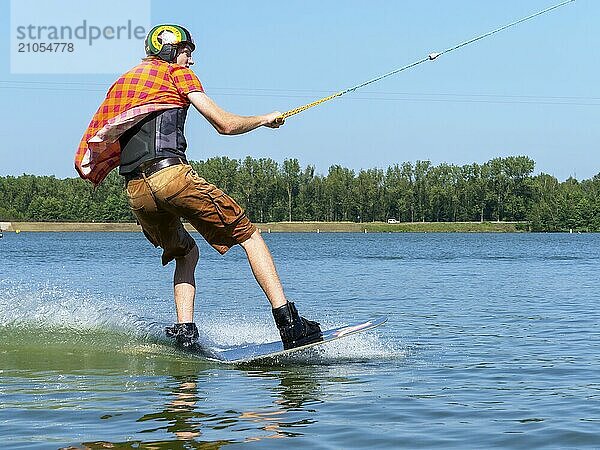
(274, 119)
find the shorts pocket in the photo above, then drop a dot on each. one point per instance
(170, 182)
(140, 199)
(179, 189)
(228, 210)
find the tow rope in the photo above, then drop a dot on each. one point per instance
(430, 57)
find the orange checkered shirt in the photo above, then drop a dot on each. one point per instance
(150, 86)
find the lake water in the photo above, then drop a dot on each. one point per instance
(492, 342)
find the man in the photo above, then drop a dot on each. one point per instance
(140, 128)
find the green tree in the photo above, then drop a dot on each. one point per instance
(368, 193)
(421, 188)
(291, 181)
(338, 188)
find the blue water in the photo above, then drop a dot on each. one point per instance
(492, 342)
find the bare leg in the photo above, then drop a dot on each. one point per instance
(263, 268)
(184, 285)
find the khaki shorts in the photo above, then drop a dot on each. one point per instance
(161, 199)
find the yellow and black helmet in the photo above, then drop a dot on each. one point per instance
(163, 40)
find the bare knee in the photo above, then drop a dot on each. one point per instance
(255, 238)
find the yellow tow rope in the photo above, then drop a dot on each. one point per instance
(294, 111)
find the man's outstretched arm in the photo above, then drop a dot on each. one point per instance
(229, 123)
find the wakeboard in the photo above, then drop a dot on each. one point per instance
(251, 352)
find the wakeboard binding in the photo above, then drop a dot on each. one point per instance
(295, 331)
(185, 335)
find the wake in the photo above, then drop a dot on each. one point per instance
(50, 314)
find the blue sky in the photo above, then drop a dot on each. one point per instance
(531, 90)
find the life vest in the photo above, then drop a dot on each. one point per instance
(159, 135)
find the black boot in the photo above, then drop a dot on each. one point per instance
(185, 334)
(295, 331)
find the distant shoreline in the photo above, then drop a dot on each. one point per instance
(288, 227)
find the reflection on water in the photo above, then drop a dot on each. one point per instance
(181, 415)
(188, 418)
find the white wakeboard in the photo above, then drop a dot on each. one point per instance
(250, 352)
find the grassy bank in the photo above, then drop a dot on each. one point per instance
(68, 226)
(294, 227)
(382, 227)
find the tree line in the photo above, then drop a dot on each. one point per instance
(502, 189)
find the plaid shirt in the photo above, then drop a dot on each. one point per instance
(150, 86)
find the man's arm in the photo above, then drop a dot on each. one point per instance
(229, 123)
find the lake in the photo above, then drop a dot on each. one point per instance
(492, 342)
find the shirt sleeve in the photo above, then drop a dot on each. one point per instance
(185, 80)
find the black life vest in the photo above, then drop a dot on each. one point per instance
(159, 135)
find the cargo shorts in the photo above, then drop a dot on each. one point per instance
(160, 200)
